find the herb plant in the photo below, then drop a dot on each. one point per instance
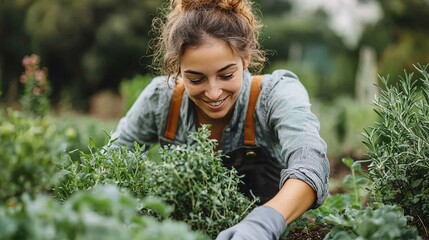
(356, 183)
(106, 165)
(348, 216)
(190, 178)
(105, 213)
(383, 222)
(31, 152)
(399, 145)
(203, 192)
(355, 186)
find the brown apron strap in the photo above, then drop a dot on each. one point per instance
(249, 127)
(174, 111)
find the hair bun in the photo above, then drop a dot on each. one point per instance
(228, 5)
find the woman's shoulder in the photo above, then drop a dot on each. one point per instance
(159, 87)
(282, 78)
(161, 83)
(157, 93)
(283, 84)
(281, 75)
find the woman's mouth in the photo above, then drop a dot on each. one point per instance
(216, 105)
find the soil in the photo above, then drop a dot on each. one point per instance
(315, 233)
(319, 233)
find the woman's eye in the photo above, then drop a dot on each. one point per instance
(195, 81)
(227, 77)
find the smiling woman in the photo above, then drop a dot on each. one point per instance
(213, 74)
(263, 124)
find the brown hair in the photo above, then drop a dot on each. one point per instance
(190, 22)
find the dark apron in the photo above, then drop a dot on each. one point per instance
(261, 175)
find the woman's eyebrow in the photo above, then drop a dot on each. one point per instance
(226, 67)
(220, 70)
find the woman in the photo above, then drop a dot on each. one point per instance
(206, 48)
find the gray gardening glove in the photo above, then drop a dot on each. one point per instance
(263, 223)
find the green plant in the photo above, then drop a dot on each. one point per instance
(399, 145)
(31, 151)
(384, 222)
(203, 192)
(354, 185)
(347, 217)
(105, 165)
(190, 178)
(356, 182)
(104, 213)
(36, 87)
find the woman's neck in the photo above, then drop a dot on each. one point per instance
(217, 125)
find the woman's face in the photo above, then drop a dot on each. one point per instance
(212, 74)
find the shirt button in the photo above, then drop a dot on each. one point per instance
(227, 129)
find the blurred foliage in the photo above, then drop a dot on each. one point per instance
(84, 129)
(87, 45)
(108, 212)
(407, 13)
(342, 121)
(318, 57)
(411, 46)
(36, 87)
(90, 46)
(31, 151)
(130, 89)
(305, 73)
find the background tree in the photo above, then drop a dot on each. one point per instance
(407, 22)
(86, 45)
(91, 45)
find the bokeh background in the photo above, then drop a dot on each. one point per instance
(97, 55)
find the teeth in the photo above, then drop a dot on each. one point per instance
(214, 104)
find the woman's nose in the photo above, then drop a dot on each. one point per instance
(213, 91)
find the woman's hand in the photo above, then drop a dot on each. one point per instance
(270, 220)
(263, 223)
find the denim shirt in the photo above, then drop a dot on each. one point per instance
(285, 126)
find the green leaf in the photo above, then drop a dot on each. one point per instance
(158, 206)
(347, 161)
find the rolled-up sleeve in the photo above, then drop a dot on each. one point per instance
(312, 167)
(303, 151)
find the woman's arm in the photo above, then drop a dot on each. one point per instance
(293, 199)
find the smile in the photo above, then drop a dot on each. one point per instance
(216, 103)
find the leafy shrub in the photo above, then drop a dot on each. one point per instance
(346, 217)
(192, 179)
(106, 213)
(399, 145)
(31, 152)
(106, 165)
(384, 222)
(203, 192)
